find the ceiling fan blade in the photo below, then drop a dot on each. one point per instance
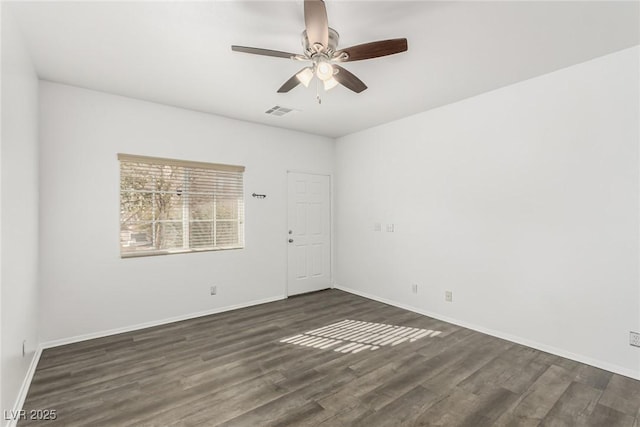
(375, 49)
(290, 84)
(265, 52)
(316, 22)
(349, 80)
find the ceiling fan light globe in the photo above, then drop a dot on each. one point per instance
(305, 76)
(330, 84)
(324, 71)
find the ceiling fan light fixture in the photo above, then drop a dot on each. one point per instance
(324, 70)
(305, 76)
(330, 84)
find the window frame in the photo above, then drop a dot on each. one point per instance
(186, 220)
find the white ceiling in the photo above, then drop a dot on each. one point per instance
(178, 53)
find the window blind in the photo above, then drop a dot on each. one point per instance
(175, 206)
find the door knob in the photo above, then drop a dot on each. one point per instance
(290, 240)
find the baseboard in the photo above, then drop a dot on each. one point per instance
(24, 388)
(101, 334)
(518, 340)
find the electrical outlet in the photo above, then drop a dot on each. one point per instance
(391, 228)
(377, 226)
(448, 296)
(414, 288)
(634, 338)
(214, 290)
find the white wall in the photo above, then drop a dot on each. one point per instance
(523, 202)
(86, 287)
(19, 222)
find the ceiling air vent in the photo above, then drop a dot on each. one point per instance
(279, 111)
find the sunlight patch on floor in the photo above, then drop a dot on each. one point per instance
(354, 336)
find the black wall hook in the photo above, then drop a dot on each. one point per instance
(259, 196)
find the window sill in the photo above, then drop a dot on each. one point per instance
(175, 252)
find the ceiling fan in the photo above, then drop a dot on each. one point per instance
(320, 45)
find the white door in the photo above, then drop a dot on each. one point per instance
(309, 217)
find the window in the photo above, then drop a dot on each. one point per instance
(173, 206)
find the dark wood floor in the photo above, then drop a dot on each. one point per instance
(231, 369)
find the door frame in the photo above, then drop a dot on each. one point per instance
(286, 225)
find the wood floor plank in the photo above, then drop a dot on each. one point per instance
(606, 416)
(538, 400)
(492, 402)
(297, 416)
(622, 395)
(450, 407)
(575, 405)
(594, 377)
(403, 409)
(271, 412)
(527, 376)
(232, 369)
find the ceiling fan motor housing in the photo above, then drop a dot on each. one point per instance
(310, 51)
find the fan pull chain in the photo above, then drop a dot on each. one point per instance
(318, 94)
